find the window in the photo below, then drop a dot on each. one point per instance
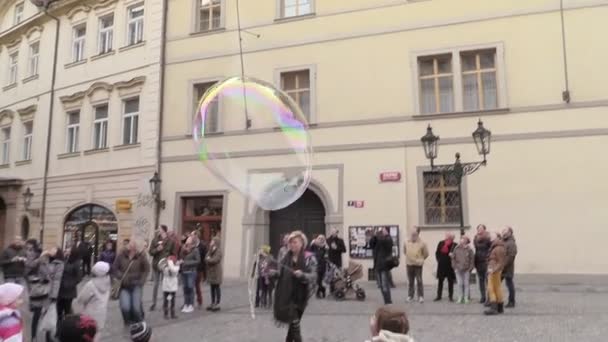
(441, 198)
(13, 68)
(136, 25)
(297, 85)
(18, 13)
(28, 130)
(203, 214)
(436, 84)
(293, 8)
(6, 145)
(210, 12)
(479, 80)
(73, 131)
(100, 127)
(212, 118)
(79, 38)
(33, 62)
(130, 121)
(106, 34)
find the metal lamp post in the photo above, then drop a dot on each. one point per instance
(27, 198)
(155, 182)
(481, 137)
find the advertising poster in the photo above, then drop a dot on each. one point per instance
(359, 237)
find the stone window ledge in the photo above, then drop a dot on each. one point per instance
(208, 32)
(96, 150)
(442, 227)
(5, 166)
(10, 86)
(68, 155)
(73, 64)
(23, 162)
(30, 78)
(126, 147)
(132, 46)
(295, 18)
(109, 53)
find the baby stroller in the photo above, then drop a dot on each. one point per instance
(342, 282)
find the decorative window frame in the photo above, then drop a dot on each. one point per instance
(279, 12)
(27, 113)
(128, 90)
(195, 26)
(6, 117)
(501, 80)
(312, 70)
(190, 91)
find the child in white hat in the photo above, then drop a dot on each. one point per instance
(94, 296)
(11, 323)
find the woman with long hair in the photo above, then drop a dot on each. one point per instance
(319, 248)
(296, 284)
(72, 275)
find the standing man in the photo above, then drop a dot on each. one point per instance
(416, 253)
(482, 243)
(158, 250)
(84, 251)
(201, 271)
(13, 262)
(336, 248)
(509, 271)
(444, 266)
(382, 245)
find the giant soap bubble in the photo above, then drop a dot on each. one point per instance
(269, 162)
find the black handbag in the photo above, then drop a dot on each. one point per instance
(392, 262)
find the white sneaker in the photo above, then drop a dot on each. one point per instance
(421, 300)
(189, 309)
(409, 299)
(184, 308)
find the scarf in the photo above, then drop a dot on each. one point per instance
(447, 244)
(291, 295)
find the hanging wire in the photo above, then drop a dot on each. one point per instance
(238, 21)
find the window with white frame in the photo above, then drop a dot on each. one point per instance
(479, 89)
(33, 58)
(297, 85)
(13, 68)
(130, 124)
(294, 8)
(106, 33)
(209, 14)
(28, 131)
(465, 80)
(135, 24)
(72, 132)
(100, 127)
(212, 115)
(78, 42)
(18, 13)
(6, 145)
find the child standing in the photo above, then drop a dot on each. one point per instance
(170, 271)
(93, 299)
(463, 262)
(11, 323)
(264, 288)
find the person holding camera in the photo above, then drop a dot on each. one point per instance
(382, 245)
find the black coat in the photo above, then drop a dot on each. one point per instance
(382, 249)
(444, 261)
(202, 250)
(72, 275)
(482, 251)
(321, 255)
(335, 255)
(10, 268)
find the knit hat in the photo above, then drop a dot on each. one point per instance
(100, 269)
(9, 293)
(77, 328)
(140, 332)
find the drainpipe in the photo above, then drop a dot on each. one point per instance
(565, 93)
(50, 124)
(161, 104)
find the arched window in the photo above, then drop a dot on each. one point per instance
(91, 223)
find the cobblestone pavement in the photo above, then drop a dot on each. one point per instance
(563, 312)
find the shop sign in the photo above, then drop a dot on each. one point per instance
(393, 176)
(123, 205)
(356, 204)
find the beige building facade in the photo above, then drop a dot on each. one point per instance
(102, 125)
(370, 76)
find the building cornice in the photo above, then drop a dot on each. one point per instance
(7, 113)
(32, 30)
(27, 112)
(131, 83)
(99, 86)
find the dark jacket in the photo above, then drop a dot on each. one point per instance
(382, 249)
(13, 269)
(84, 250)
(137, 274)
(335, 255)
(72, 275)
(511, 250)
(202, 250)
(108, 256)
(163, 253)
(444, 261)
(47, 274)
(292, 293)
(320, 253)
(482, 250)
(215, 272)
(191, 260)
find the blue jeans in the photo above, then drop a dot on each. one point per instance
(382, 278)
(189, 278)
(131, 306)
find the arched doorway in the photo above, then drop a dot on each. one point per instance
(2, 223)
(91, 223)
(306, 214)
(25, 228)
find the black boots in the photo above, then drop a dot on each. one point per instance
(495, 309)
(500, 308)
(510, 305)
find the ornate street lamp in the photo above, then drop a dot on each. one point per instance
(482, 138)
(155, 182)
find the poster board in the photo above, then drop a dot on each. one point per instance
(358, 245)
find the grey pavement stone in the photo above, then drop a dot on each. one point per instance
(552, 312)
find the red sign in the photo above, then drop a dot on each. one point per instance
(390, 176)
(356, 204)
